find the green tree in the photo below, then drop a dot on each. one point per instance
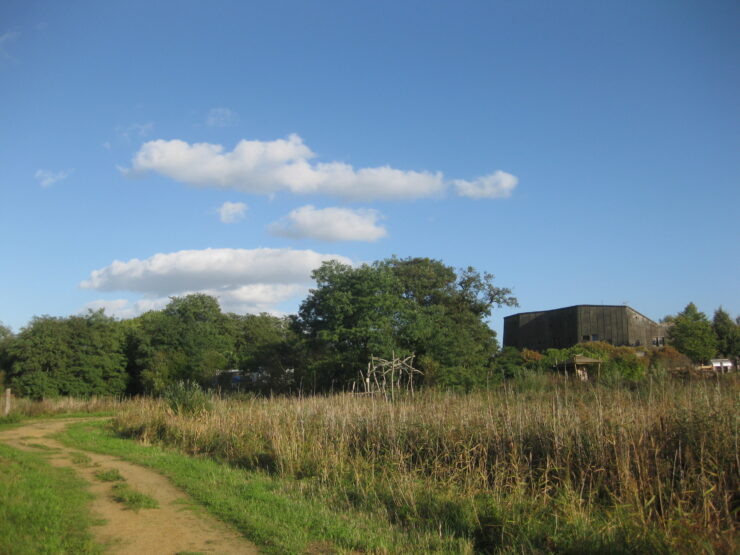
(77, 356)
(446, 322)
(189, 340)
(6, 338)
(269, 346)
(692, 334)
(402, 306)
(351, 314)
(728, 334)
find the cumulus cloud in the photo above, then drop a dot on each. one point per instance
(495, 185)
(267, 167)
(123, 308)
(330, 224)
(232, 212)
(251, 299)
(243, 280)
(221, 117)
(47, 178)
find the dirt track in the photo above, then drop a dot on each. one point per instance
(178, 525)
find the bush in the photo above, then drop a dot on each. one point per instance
(186, 397)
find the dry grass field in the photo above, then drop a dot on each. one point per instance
(557, 466)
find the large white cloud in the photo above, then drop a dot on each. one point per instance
(496, 185)
(243, 280)
(331, 224)
(266, 167)
(251, 299)
(213, 269)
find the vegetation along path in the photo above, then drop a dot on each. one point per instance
(174, 524)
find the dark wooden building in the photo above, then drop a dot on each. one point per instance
(564, 327)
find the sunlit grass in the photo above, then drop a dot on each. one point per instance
(572, 467)
(43, 509)
(132, 499)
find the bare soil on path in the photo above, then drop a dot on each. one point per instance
(177, 526)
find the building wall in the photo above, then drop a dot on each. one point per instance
(564, 327)
(542, 330)
(643, 331)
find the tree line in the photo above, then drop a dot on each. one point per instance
(390, 308)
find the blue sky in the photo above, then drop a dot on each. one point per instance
(583, 152)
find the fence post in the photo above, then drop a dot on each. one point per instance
(6, 410)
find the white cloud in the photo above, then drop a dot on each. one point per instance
(252, 299)
(267, 167)
(243, 280)
(330, 224)
(123, 308)
(221, 117)
(209, 269)
(47, 178)
(232, 212)
(495, 185)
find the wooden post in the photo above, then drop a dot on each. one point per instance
(6, 410)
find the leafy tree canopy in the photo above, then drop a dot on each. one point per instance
(401, 306)
(692, 334)
(187, 341)
(728, 334)
(78, 356)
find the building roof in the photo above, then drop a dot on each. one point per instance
(581, 305)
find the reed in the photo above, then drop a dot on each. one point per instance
(572, 467)
(64, 405)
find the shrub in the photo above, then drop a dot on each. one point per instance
(186, 397)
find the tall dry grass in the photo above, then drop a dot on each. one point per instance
(64, 405)
(572, 468)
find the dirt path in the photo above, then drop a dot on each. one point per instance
(177, 526)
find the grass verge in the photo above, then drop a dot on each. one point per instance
(134, 500)
(109, 475)
(262, 507)
(80, 459)
(43, 509)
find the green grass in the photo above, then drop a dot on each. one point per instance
(10, 419)
(80, 458)
(134, 500)
(110, 475)
(43, 509)
(41, 446)
(268, 511)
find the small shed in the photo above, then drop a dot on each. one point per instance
(722, 365)
(582, 366)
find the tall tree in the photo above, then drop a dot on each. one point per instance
(77, 356)
(6, 338)
(692, 334)
(402, 306)
(728, 334)
(188, 340)
(351, 314)
(270, 348)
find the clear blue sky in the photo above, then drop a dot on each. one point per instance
(583, 152)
